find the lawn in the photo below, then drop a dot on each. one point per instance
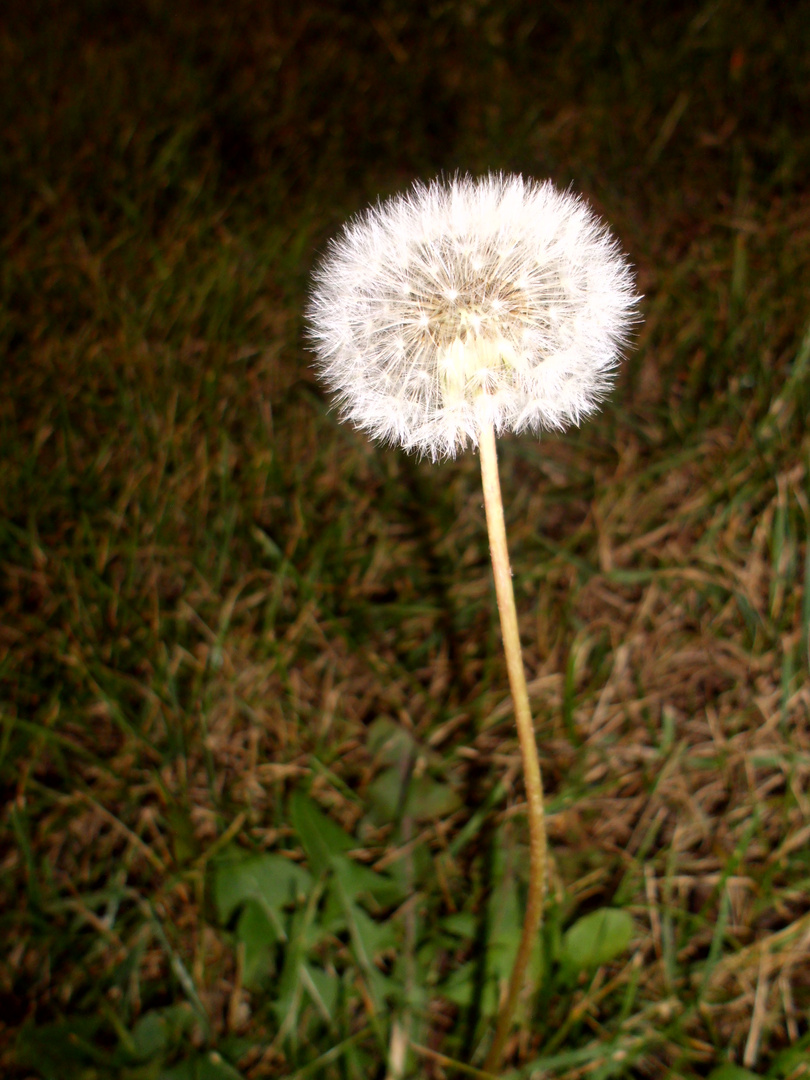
(262, 813)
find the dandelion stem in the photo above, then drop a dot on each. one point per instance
(528, 746)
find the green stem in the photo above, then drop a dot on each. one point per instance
(528, 746)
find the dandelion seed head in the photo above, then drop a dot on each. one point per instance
(496, 300)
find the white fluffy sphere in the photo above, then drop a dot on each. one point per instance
(498, 299)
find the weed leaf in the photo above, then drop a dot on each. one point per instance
(596, 939)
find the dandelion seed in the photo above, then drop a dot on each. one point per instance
(525, 278)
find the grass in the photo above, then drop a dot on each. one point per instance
(262, 808)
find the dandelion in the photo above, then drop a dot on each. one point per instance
(500, 301)
(450, 314)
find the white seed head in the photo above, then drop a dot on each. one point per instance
(498, 299)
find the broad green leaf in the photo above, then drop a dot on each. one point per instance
(57, 1051)
(150, 1035)
(596, 939)
(426, 798)
(786, 1063)
(376, 936)
(256, 931)
(366, 938)
(390, 742)
(505, 924)
(359, 880)
(160, 1029)
(384, 794)
(183, 836)
(332, 915)
(320, 837)
(271, 880)
(461, 984)
(462, 924)
(381, 988)
(288, 996)
(326, 844)
(324, 989)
